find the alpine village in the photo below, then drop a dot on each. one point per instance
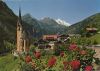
(28, 44)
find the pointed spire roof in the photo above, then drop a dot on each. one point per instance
(20, 19)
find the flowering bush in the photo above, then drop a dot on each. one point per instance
(72, 58)
(73, 46)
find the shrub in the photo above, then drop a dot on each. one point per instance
(95, 42)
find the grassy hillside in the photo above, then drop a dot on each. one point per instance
(96, 37)
(7, 63)
(92, 21)
(87, 40)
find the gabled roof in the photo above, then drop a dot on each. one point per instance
(90, 29)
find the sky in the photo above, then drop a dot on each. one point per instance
(72, 11)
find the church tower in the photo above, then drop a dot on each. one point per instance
(22, 40)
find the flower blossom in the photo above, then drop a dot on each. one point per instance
(51, 61)
(75, 64)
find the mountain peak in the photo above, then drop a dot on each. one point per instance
(62, 22)
(5, 10)
(46, 18)
(27, 15)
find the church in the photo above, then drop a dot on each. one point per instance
(23, 42)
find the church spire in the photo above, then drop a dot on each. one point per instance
(20, 19)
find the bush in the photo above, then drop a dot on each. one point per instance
(72, 58)
(9, 46)
(95, 42)
(27, 67)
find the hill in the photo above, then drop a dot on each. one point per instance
(36, 28)
(8, 22)
(96, 37)
(7, 25)
(79, 27)
(7, 63)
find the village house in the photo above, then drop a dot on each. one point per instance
(64, 38)
(48, 41)
(91, 30)
(50, 37)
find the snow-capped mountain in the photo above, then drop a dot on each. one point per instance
(62, 22)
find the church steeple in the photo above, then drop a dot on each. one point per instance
(20, 18)
(22, 40)
(19, 22)
(19, 33)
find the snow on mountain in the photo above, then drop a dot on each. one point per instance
(62, 22)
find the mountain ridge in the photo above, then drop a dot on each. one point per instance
(62, 22)
(92, 21)
(47, 24)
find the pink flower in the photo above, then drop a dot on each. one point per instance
(72, 46)
(88, 68)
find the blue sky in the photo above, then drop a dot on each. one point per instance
(71, 11)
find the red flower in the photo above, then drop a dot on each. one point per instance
(28, 59)
(75, 64)
(83, 52)
(62, 54)
(73, 46)
(88, 68)
(37, 55)
(51, 61)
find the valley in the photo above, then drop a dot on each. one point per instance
(30, 44)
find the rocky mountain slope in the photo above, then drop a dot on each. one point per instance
(45, 25)
(62, 22)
